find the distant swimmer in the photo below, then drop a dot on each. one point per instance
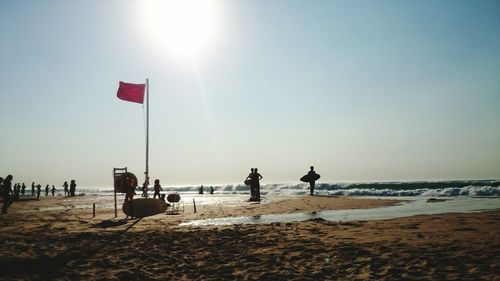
(200, 190)
(311, 178)
(211, 190)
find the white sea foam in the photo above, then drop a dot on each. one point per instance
(291, 189)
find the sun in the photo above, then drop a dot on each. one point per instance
(183, 27)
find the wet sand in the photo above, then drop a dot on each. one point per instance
(71, 244)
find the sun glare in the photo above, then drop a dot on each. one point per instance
(183, 27)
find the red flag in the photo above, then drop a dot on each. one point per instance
(131, 92)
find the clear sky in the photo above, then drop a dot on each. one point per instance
(363, 90)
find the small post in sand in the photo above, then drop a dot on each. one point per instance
(194, 204)
(93, 210)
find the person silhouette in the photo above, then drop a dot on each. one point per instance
(38, 191)
(312, 175)
(17, 188)
(211, 190)
(53, 190)
(145, 189)
(47, 190)
(23, 189)
(129, 188)
(200, 190)
(252, 184)
(256, 177)
(157, 189)
(32, 188)
(6, 192)
(72, 188)
(66, 190)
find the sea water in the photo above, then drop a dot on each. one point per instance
(390, 189)
(460, 195)
(410, 207)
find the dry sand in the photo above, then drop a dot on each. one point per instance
(70, 244)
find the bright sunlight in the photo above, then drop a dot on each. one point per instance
(183, 27)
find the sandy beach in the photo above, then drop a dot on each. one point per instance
(71, 244)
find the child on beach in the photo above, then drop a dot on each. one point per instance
(157, 189)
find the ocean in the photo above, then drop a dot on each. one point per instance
(390, 189)
(458, 196)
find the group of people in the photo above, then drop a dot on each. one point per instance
(131, 184)
(38, 188)
(200, 190)
(69, 190)
(11, 193)
(18, 190)
(253, 180)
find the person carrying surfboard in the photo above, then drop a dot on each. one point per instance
(311, 178)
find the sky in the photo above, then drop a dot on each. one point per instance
(362, 90)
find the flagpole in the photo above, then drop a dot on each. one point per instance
(147, 135)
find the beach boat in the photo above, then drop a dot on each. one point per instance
(144, 207)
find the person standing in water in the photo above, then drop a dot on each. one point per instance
(38, 191)
(23, 189)
(200, 190)
(53, 190)
(312, 175)
(252, 184)
(211, 190)
(72, 188)
(47, 190)
(33, 188)
(7, 190)
(256, 177)
(66, 191)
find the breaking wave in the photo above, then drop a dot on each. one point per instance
(451, 188)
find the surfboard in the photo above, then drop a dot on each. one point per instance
(247, 182)
(308, 178)
(144, 207)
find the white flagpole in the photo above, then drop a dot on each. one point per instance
(147, 136)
